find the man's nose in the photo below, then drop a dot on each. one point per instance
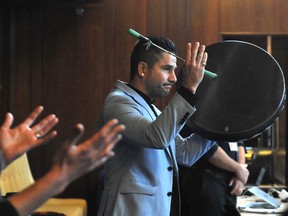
(172, 77)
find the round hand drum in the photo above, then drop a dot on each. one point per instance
(246, 97)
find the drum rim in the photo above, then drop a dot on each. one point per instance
(251, 132)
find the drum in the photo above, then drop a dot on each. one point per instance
(246, 97)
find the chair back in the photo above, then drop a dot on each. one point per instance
(16, 176)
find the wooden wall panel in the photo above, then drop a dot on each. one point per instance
(118, 41)
(20, 64)
(157, 18)
(159, 22)
(183, 21)
(204, 16)
(259, 16)
(49, 55)
(70, 75)
(4, 62)
(67, 63)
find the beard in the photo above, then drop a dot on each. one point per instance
(158, 91)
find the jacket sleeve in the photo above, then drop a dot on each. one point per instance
(192, 148)
(142, 127)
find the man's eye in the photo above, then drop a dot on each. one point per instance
(165, 69)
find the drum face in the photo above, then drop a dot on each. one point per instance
(246, 97)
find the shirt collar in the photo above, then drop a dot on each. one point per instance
(148, 99)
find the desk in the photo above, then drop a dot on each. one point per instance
(243, 200)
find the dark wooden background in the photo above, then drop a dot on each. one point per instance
(67, 62)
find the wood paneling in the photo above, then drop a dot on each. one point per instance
(68, 62)
(4, 62)
(45, 2)
(204, 21)
(253, 16)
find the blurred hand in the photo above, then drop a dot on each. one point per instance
(237, 186)
(242, 173)
(75, 160)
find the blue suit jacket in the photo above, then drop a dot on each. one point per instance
(139, 176)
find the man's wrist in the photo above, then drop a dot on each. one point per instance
(188, 95)
(58, 181)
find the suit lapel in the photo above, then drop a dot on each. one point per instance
(169, 151)
(135, 96)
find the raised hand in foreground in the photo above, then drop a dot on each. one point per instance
(22, 138)
(70, 163)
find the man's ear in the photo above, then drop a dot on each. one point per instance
(142, 68)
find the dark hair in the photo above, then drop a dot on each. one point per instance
(144, 51)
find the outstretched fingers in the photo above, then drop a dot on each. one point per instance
(78, 133)
(33, 116)
(188, 53)
(196, 55)
(43, 127)
(8, 121)
(204, 59)
(200, 53)
(47, 137)
(108, 136)
(194, 52)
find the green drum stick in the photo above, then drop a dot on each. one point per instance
(139, 36)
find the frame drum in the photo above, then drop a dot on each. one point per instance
(246, 97)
